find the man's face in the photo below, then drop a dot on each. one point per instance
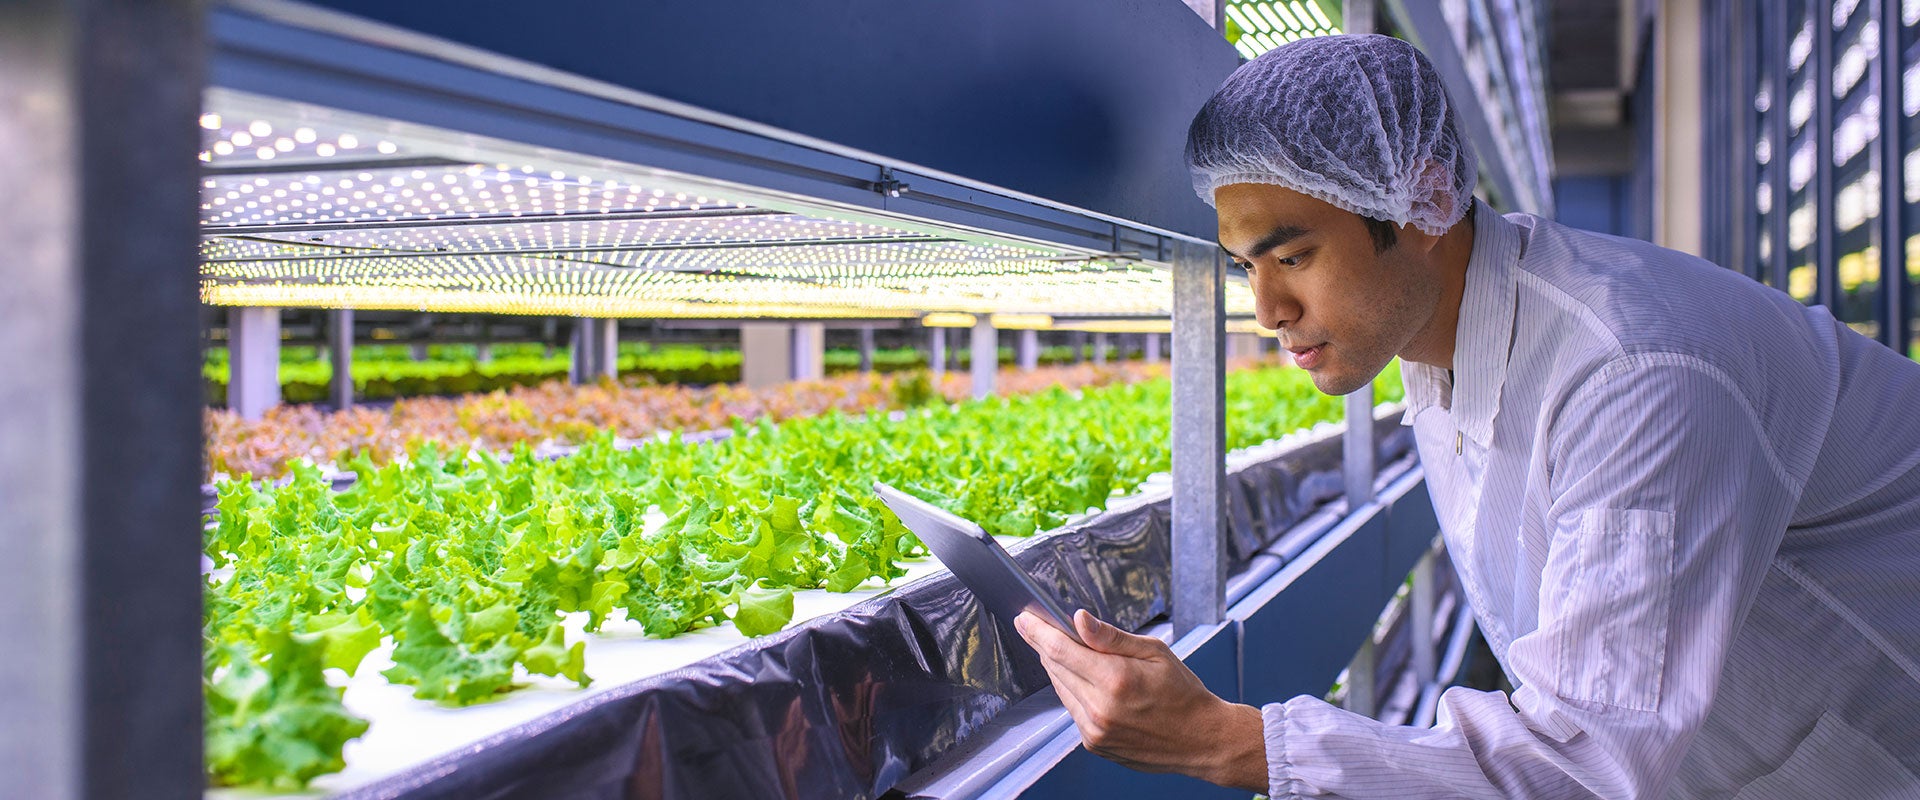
(1342, 306)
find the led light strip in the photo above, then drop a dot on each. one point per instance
(1267, 24)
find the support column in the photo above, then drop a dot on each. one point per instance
(985, 357)
(866, 350)
(1356, 447)
(596, 345)
(1199, 437)
(937, 352)
(1420, 598)
(766, 354)
(1357, 472)
(253, 344)
(1027, 351)
(809, 351)
(1678, 148)
(340, 336)
(100, 400)
(1100, 349)
(1363, 697)
(1152, 354)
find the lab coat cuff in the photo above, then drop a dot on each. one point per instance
(1281, 782)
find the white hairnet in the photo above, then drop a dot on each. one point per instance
(1361, 122)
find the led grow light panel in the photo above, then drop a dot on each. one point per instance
(310, 207)
(1263, 25)
(656, 230)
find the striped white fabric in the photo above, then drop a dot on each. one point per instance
(1686, 511)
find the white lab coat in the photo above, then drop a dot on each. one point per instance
(1686, 512)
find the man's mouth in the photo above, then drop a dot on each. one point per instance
(1307, 357)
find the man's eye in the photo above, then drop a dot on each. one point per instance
(1288, 262)
(1242, 265)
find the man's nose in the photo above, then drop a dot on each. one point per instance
(1273, 307)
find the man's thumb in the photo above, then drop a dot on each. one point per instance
(1109, 639)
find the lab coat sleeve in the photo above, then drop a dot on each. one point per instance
(1666, 504)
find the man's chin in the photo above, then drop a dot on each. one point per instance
(1330, 379)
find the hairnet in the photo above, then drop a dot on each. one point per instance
(1361, 122)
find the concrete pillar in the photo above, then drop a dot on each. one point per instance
(766, 354)
(866, 350)
(1027, 351)
(809, 360)
(1100, 349)
(937, 352)
(1078, 341)
(253, 339)
(1152, 354)
(483, 352)
(340, 334)
(418, 351)
(986, 357)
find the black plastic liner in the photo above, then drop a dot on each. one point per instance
(848, 704)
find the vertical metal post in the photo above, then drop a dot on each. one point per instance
(1426, 661)
(1889, 70)
(1826, 259)
(1079, 341)
(1199, 436)
(595, 342)
(100, 400)
(985, 357)
(608, 335)
(577, 354)
(1362, 695)
(1356, 448)
(866, 349)
(1029, 350)
(809, 342)
(1152, 351)
(1357, 16)
(253, 363)
(340, 334)
(937, 352)
(1100, 349)
(1779, 35)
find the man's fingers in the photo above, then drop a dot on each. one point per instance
(1108, 639)
(1056, 647)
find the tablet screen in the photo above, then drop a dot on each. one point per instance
(978, 561)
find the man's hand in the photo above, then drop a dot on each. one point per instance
(1138, 705)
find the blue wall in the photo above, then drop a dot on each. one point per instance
(1596, 203)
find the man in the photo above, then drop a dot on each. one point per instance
(1684, 508)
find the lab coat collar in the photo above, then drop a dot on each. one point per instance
(1483, 339)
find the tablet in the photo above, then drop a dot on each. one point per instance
(978, 561)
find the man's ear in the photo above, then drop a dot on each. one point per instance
(1418, 240)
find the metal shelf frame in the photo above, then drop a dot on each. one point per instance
(1762, 55)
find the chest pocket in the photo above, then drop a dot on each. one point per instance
(1609, 606)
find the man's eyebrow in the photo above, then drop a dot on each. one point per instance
(1274, 238)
